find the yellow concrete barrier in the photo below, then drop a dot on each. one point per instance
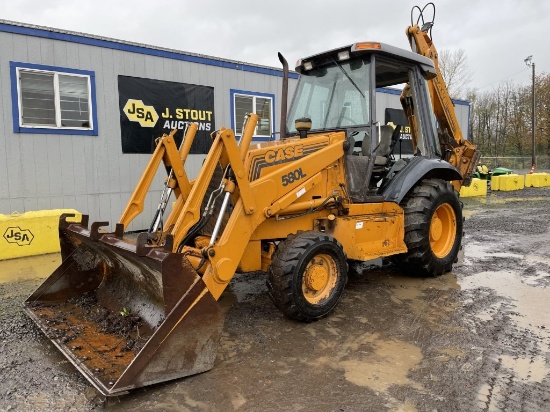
(31, 233)
(537, 180)
(478, 187)
(495, 180)
(509, 182)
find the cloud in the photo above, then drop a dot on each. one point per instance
(496, 34)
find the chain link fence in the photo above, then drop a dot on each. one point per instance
(516, 162)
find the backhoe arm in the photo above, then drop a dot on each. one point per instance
(458, 151)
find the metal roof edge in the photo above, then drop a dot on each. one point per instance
(122, 45)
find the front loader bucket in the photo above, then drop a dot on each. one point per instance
(125, 314)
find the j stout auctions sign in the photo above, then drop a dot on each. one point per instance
(149, 108)
(395, 118)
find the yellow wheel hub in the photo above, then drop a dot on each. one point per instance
(443, 228)
(319, 279)
(316, 277)
(436, 228)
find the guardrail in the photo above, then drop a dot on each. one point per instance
(479, 187)
(31, 233)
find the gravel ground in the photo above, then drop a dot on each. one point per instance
(476, 339)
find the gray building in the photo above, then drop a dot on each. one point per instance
(61, 144)
(80, 114)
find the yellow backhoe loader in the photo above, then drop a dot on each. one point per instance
(129, 313)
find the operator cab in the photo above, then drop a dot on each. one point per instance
(337, 92)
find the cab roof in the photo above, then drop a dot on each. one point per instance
(361, 48)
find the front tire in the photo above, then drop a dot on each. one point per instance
(433, 228)
(307, 275)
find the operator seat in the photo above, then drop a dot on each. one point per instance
(383, 149)
(357, 142)
(351, 145)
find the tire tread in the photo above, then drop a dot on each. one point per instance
(417, 205)
(285, 262)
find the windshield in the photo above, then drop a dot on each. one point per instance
(333, 96)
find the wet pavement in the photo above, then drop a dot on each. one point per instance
(476, 339)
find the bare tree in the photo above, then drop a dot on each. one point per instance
(501, 122)
(453, 65)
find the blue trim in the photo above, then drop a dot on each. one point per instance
(389, 90)
(114, 45)
(14, 98)
(233, 92)
(461, 102)
(53, 130)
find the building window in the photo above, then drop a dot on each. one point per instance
(53, 100)
(243, 102)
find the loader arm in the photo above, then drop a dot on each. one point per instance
(270, 197)
(254, 201)
(167, 152)
(225, 151)
(457, 150)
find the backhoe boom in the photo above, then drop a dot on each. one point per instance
(458, 151)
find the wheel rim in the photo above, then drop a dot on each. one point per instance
(443, 230)
(319, 278)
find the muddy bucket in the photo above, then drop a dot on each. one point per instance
(125, 314)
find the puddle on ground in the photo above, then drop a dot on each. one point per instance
(389, 364)
(527, 369)
(379, 362)
(531, 302)
(475, 251)
(427, 298)
(383, 363)
(537, 259)
(410, 288)
(537, 278)
(29, 267)
(530, 313)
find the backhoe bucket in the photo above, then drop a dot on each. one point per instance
(126, 314)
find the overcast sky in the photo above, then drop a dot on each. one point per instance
(497, 35)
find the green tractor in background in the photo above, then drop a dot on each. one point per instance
(483, 172)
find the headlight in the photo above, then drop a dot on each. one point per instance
(343, 55)
(308, 65)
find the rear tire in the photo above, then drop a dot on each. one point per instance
(307, 275)
(433, 229)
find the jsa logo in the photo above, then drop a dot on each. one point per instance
(23, 237)
(136, 111)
